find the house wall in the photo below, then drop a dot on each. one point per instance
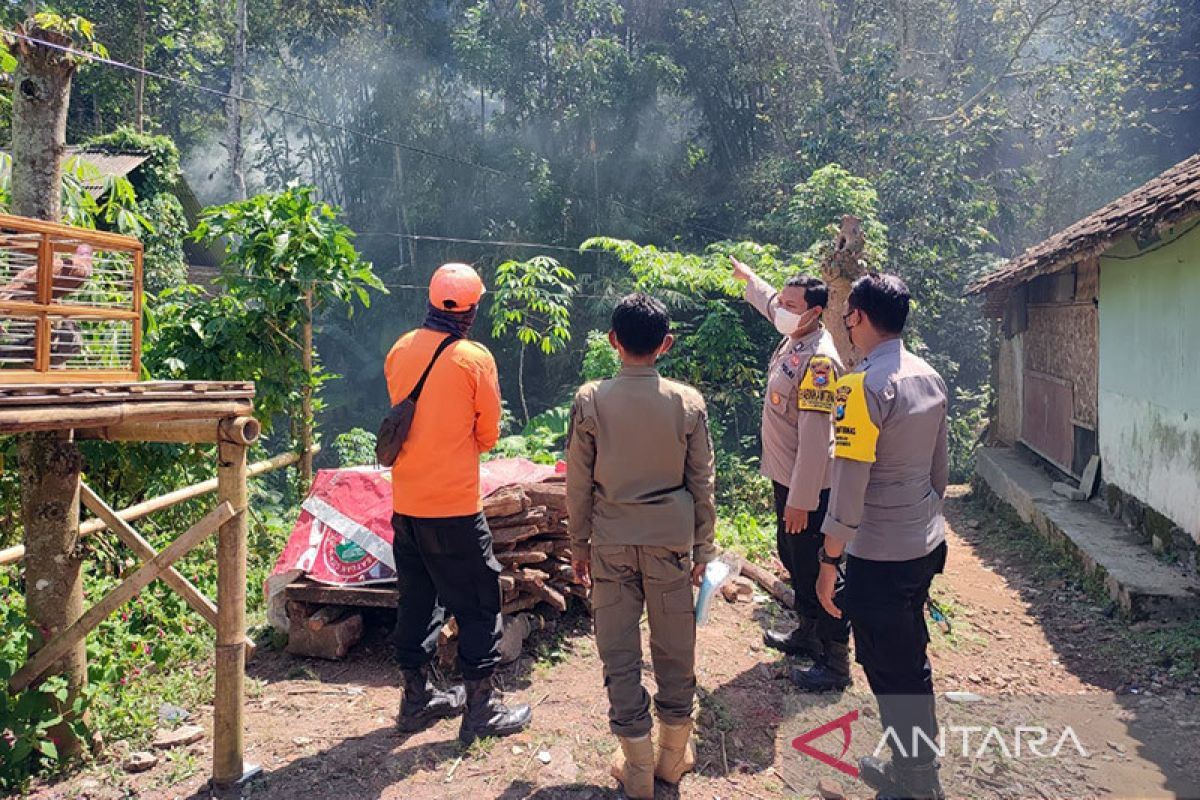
(1046, 377)
(1009, 389)
(1149, 381)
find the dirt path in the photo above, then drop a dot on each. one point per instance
(1028, 640)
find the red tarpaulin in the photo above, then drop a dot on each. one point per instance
(344, 533)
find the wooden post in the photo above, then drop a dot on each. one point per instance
(306, 426)
(228, 764)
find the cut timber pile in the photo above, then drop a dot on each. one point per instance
(529, 534)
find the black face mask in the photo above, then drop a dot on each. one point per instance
(849, 328)
(456, 323)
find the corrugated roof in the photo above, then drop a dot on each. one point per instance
(107, 164)
(1168, 198)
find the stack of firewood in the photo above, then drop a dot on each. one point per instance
(529, 534)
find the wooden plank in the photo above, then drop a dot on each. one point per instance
(126, 591)
(46, 398)
(134, 541)
(107, 241)
(75, 415)
(374, 596)
(25, 308)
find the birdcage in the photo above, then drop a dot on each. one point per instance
(70, 304)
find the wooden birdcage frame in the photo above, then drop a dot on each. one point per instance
(20, 234)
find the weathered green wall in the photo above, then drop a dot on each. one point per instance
(1150, 373)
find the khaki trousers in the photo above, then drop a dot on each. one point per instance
(625, 580)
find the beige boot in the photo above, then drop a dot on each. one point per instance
(636, 770)
(676, 755)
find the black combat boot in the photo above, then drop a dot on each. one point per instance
(423, 705)
(488, 716)
(802, 642)
(831, 673)
(894, 781)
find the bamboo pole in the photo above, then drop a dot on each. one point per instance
(133, 540)
(228, 727)
(242, 430)
(62, 643)
(11, 555)
(306, 426)
(100, 415)
(145, 509)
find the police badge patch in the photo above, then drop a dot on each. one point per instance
(816, 390)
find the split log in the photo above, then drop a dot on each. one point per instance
(553, 596)
(326, 615)
(507, 536)
(535, 515)
(505, 502)
(521, 557)
(551, 495)
(525, 603)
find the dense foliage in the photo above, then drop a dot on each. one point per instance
(637, 143)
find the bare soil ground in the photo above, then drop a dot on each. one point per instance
(1028, 638)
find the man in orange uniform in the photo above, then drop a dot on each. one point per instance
(442, 544)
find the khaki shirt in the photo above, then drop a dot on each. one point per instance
(890, 509)
(640, 466)
(797, 438)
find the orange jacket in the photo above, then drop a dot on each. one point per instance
(457, 418)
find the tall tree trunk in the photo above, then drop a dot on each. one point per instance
(233, 107)
(139, 86)
(50, 462)
(839, 269)
(41, 93)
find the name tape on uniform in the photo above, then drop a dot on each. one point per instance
(855, 434)
(816, 390)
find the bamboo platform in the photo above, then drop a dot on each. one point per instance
(199, 412)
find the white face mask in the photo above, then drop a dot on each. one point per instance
(787, 322)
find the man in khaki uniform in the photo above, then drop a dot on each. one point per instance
(797, 455)
(642, 517)
(885, 522)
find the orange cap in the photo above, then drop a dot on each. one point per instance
(455, 287)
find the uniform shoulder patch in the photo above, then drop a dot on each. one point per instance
(816, 388)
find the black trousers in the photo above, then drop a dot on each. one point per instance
(885, 601)
(444, 565)
(798, 552)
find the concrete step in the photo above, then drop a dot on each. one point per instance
(1141, 584)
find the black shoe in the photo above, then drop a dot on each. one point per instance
(801, 642)
(487, 716)
(901, 782)
(423, 705)
(831, 673)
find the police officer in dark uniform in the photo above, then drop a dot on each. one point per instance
(885, 523)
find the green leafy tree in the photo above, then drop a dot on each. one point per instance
(287, 259)
(532, 299)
